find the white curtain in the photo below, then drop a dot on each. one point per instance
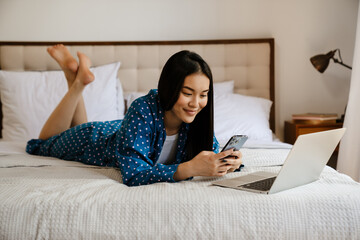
(349, 155)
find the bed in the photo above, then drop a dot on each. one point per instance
(48, 198)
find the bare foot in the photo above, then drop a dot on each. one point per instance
(84, 75)
(66, 61)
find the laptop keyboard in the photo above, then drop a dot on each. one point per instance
(262, 185)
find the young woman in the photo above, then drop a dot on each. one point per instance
(166, 135)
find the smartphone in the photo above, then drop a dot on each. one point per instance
(235, 142)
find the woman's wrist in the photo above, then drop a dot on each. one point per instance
(184, 171)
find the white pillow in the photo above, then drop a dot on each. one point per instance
(120, 100)
(132, 96)
(28, 98)
(221, 88)
(239, 114)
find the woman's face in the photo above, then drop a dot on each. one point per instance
(192, 98)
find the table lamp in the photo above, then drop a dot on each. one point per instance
(321, 62)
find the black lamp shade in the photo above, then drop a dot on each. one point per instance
(321, 61)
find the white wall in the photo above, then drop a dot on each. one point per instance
(301, 28)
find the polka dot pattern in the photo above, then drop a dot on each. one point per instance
(133, 145)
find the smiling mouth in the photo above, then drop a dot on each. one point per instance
(190, 112)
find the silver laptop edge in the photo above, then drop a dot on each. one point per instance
(303, 164)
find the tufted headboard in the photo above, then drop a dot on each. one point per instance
(249, 62)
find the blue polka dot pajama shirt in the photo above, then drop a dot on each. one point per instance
(133, 145)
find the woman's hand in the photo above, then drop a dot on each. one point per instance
(234, 160)
(208, 163)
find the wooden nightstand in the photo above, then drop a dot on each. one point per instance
(293, 130)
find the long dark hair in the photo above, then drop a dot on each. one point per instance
(177, 68)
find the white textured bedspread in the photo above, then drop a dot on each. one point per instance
(47, 198)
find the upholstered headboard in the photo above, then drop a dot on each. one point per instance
(249, 62)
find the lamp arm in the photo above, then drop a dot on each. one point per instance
(341, 63)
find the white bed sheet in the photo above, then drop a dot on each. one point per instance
(48, 198)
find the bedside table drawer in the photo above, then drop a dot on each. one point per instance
(293, 130)
(312, 129)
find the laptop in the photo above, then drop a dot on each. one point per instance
(303, 165)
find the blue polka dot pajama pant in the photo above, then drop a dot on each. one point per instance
(87, 143)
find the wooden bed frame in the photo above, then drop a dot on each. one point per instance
(19, 56)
